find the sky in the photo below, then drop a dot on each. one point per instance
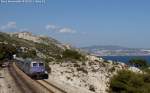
(81, 22)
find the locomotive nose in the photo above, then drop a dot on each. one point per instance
(38, 70)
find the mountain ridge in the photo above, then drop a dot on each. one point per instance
(114, 50)
(107, 47)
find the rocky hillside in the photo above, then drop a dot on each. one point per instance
(25, 44)
(93, 75)
(71, 69)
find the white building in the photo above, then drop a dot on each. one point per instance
(28, 36)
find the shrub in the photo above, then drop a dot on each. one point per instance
(1, 56)
(28, 54)
(47, 67)
(72, 54)
(138, 62)
(48, 60)
(112, 69)
(147, 70)
(6, 51)
(82, 69)
(92, 88)
(129, 82)
(76, 65)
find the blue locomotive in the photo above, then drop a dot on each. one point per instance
(33, 68)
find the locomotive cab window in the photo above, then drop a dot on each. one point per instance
(41, 64)
(35, 64)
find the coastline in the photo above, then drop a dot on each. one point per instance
(124, 59)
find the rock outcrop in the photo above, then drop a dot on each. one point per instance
(91, 75)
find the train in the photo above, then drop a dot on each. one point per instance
(34, 68)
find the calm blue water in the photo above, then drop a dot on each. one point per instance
(125, 59)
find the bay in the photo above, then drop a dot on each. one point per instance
(125, 59)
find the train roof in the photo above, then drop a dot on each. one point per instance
(34, 60)
(30, 60)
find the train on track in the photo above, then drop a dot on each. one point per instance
(34, 68)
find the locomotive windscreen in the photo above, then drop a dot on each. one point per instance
(41, 64)
(35, 64)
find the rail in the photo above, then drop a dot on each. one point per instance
(51, 87)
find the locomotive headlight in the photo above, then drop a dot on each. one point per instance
(42, 70)
(46, 72)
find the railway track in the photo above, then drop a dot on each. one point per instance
(23, 86)
(28, 85)
(50, 87)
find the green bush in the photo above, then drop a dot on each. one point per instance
(1, 56)
(84, 70)
(130, 82)
(138, 62)
(47, 67)
(72, 54)
(6, 51)
(28, 54)
(147, 70)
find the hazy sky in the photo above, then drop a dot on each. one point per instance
(82, 22)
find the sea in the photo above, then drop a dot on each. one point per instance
(125, 59)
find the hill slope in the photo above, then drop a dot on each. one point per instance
(25, 44)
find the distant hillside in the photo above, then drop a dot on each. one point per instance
(112, 50)
(105, 47)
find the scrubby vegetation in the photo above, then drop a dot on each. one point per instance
(48, 49)
(72, 54)
(129, 82)
(6, 52)
(28, 54)
(139, 63)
